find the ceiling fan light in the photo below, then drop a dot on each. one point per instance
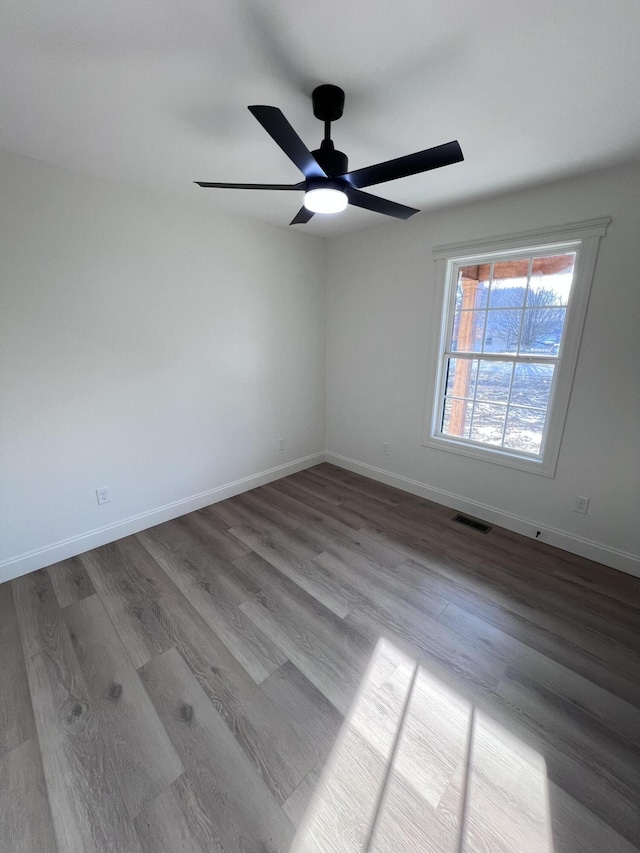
(325, 200)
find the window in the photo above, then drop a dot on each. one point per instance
(507, 341)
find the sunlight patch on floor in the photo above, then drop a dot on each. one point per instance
(417, 768)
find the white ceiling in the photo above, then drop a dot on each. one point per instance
(155, 92)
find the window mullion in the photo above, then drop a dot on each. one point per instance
(506, 414)
(525, 358)
(526, 298)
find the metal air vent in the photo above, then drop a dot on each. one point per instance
(473, 523)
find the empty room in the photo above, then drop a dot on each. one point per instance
(320, 427)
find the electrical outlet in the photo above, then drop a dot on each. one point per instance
(386, 448)
(281, 444)
(581, 505)
(103, 495)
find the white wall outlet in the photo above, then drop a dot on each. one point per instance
(281, 444)
(386, 448)
(103, 495)
(581, 505)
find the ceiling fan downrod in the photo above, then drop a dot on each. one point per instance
(328, 106)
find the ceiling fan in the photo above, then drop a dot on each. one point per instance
(328, 186)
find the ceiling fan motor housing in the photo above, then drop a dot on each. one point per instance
(328, 102)
(333, 162)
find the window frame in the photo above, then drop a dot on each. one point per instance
(581, 237)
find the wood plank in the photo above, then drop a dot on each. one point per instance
(340, 513)
(306, 710)
(585, 696)
(143, 757)
(325, 529)
(325, 667)
(432, 643)
(16, 716)
(575, 829)
(343, 808)
(344, 485)
(87, 808)
(590, 654)
(70, 581)
(215, 596)
(26, 825)
(221, 546)
(499, 562)
(177, 822)
(281, 757)
(118, 572)
(434, 740)
(612, 762)
(182, 543)
(408, 823)
(557, 641)
(225, 513)
(281, 542)
(295, 561)
(236, 511)
(300, 513)
(248, 818)
(330, 653)
(375, 586)
(37, 611)
(565, 766)
(422, 806)
(262, 514)
(356, 483)
(601, 580)
(297, 803)
(318, 487)
(507, 804)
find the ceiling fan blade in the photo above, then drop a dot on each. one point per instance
(412, 164)
(302, 216)
(379, 205)
(299, 186)
(279, 129)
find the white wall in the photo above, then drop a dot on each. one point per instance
(380, 300)
(161, 349)
(147, 345)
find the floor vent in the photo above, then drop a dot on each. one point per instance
(472, 522)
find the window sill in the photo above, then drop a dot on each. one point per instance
(497, 457)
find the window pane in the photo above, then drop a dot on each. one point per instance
(502, 331)
(552, 276)
(458, 296)
(482, 294)
(471, 292)
(551, 265)
(461, 377)
(457, 418)
(532, 384)
(488, 423)
(468, 329)
(524, 429)
(494, 381)
(542, 330)
(508, 292)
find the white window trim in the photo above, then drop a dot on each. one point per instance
(581, 236)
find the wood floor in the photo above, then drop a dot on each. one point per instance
(328, 655)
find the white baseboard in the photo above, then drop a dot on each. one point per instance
(621, 560)
(29, 562)
(38, 559)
